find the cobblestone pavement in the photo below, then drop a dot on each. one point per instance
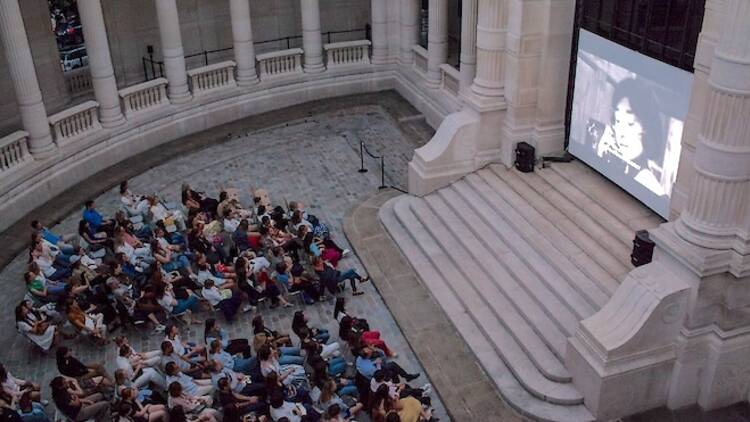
(312, 159)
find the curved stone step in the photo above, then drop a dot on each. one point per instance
(499, 235)
(608, 195)
(592, 210)
(519, 284)
(522, 184)
(574, 210)
(508, 385)
(516, 358)
(499, 188)
(468, 254)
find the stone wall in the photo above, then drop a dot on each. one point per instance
(206, 25)
(46, 60)
(132, 25)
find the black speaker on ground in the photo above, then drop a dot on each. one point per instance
(643, 248)
(525, 157)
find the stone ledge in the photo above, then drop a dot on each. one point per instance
(464, 389)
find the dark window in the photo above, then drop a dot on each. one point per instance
(666, 30)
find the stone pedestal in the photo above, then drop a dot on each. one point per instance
(100, 63)
(25, 83)
(242, 37)
(621, 358)
(171, 46)
(312, 40)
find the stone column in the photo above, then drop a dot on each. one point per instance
(437, 40)
(491, 31)
(100, 63)
(468, 43)
(312, 40)
(717, 208)
(409, 17)
(171, 47)
(242, 35)
(379, 13)
(25, 83)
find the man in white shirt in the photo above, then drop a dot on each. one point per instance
(139, 374)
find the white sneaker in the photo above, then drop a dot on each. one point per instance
(427, 388)
(248, 308)
(159, 328)
(346, 252)
(44, 402)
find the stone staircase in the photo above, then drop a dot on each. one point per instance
(516, 260)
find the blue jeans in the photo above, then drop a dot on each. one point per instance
(181, 262)
(348, 390)
(290, 356)
(323, 336)
(244, 365)
(336, 366)
(184, 304)
(352, 276)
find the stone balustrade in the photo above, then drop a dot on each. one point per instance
(280, 63)
(144, 97)
(75, 122)
(451, 79)
(420, 59)
(78, 81)
(14, 150)
(347, 53)
(212, 77)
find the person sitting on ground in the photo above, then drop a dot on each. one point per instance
(242, 403)
(174, 306)
(96, 221)
(213, 331)
(370, 360)
(239, 383)
(237, 363)
(300, 320)
(29, 410)
(194, 369)
(138, 373)
(91, 375)
(223, 299)
(265, 335)
(194, 408)
(331, 278)
(36, 327)
(192, 386)
(131, 407)
(75, 404)
(288, 374)
(91, 323)
(16, 386)
(66, 242)
(133, 204)
(167, 218)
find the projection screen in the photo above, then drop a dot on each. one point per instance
(627, 118)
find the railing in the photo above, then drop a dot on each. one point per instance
(420, 59)
(347, 53)
(212, 77)
(155, 68)
(280, 63)
(451, 78)
(78, 81)
(75, 122)
(144, 96)
(14, 150)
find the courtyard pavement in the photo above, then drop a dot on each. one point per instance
(308, 153)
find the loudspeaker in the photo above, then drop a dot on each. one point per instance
(643, 249)
(525, 157)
